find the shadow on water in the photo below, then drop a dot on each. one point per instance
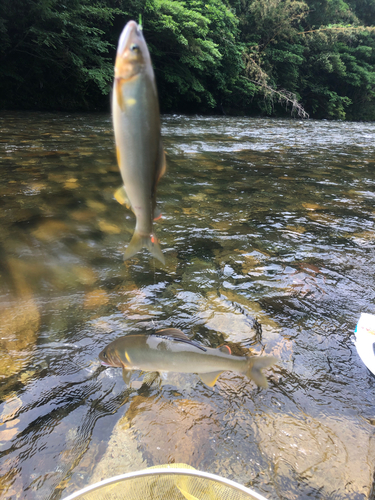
(268, 233)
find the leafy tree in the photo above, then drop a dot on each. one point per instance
(327, 12)
(234, 56)
(273, 59)
(365, 10)
(340, 73)
(194, 51)
(53, 54)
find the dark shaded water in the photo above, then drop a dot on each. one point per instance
(268, 233)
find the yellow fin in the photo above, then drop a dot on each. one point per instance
(210, 379)
(121, 196)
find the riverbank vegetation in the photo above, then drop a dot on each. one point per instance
(257, 57)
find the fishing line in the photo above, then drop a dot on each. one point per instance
(152, 207)
(153, 324)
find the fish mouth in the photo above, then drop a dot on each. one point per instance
(103, 363)
(130, 30)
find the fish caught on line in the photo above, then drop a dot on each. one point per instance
(170, 350)
(139, 149)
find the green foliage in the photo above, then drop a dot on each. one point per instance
(364, 9)
(325, 12)
(181, 51)
(54, 54)
(273, 58)
(234, 56)
(340, 72)
(194, 51)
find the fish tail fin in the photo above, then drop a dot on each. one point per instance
(148, 241)
(255, 364)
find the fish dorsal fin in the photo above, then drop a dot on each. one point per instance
(178, 336)
(173, 333)
(225, 349)
(210, 378)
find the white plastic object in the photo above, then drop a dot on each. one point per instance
(365, 339)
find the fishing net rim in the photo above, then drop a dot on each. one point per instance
(170, 471)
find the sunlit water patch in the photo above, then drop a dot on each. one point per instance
(268, 233)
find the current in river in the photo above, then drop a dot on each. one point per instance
(268, 235)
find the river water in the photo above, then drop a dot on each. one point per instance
(268, 234)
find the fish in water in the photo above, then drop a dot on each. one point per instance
(170, 350)
(136, 123)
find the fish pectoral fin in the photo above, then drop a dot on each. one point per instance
(210, 379)
(121, 196)
(126, 375)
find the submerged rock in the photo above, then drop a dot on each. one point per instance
(108, 227)
(19, 327)
(121, 456)
(234, 315)
(51, 230)
(322, 455)
(19, 321)
(95, 299)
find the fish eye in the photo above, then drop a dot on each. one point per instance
(134, 47)
(104, 355)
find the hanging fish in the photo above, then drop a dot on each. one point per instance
(170, 350)
(136, 123)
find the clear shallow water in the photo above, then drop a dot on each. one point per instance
(268, 233)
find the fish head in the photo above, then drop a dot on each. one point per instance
(133, 56)
(109, 356)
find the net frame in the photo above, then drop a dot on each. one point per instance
(166, 471)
